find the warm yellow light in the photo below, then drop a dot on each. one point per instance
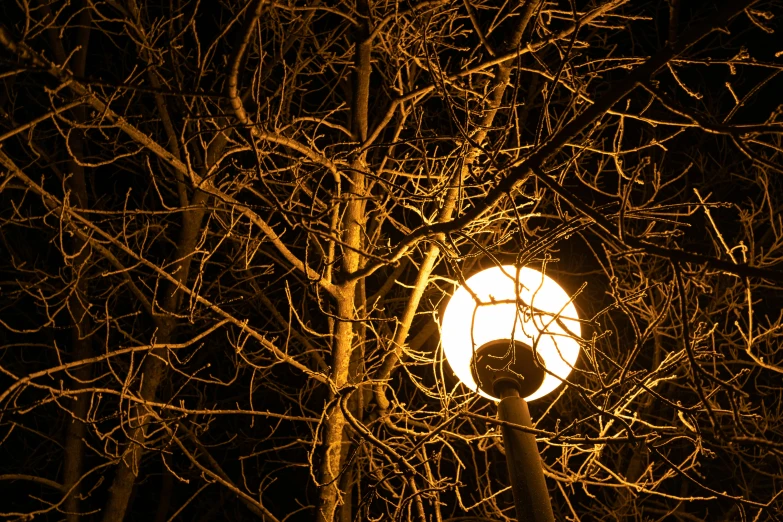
(543, 317)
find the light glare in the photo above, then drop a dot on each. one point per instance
(533, 322)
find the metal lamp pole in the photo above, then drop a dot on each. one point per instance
(507, 369)
(531, 496)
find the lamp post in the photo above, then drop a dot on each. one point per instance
(510, 334)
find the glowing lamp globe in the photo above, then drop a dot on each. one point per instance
(512, 325)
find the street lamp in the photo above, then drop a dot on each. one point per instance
(510, 334)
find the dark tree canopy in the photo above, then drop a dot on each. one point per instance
(228, 230)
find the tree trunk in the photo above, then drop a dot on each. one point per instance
(153, 367)
(78, 260)
(335, 440)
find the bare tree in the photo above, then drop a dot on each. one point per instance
(229, 228)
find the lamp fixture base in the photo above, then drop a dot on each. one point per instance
(503, 363)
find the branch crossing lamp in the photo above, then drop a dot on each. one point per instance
(511, 335)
